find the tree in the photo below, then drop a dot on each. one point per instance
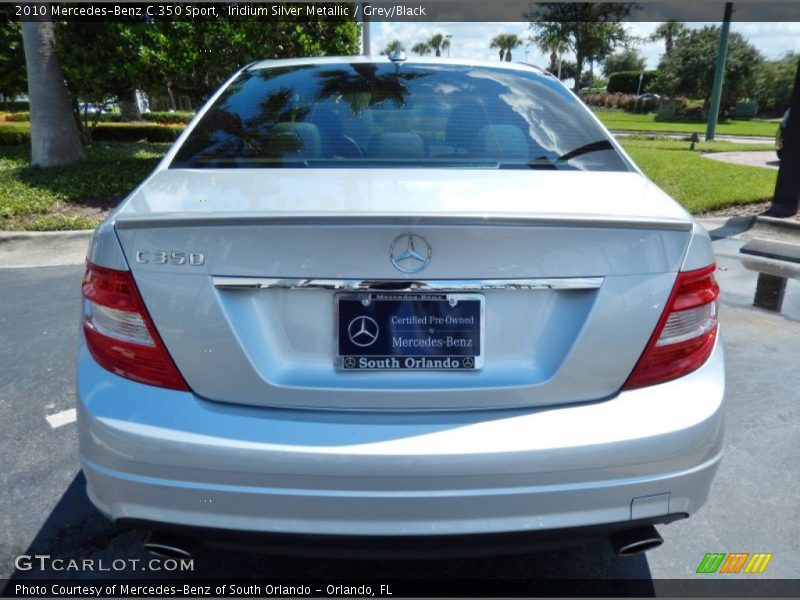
(421, 48)
(506, 42)
(553, 43)
(669, 31)
(689, 69)
(90, 80)
(438, 42)
(192, 58)
(590, 30)
(772, 88)
(628, 59)
(394, 45)
(12, 55)
(54, 134)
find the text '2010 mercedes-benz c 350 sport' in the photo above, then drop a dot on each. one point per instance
(406, 304)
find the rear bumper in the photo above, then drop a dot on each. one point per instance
(166, 457)
(421, 547)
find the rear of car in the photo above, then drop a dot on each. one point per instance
(416, 300)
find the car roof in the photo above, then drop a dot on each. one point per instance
(417, 60)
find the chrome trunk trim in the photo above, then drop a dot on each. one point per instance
(405, 285)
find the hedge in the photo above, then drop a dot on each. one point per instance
(14, 106)
(151, 117)
(627, 82)
(168, 117)
(133, 132)
(18, 134)
(14, 134)
(14, 117)
(626, 102)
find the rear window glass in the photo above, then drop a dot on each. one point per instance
(405, 115)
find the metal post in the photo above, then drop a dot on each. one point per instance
(719, 74)
(449, 37)
(786, 201)
(365, 39)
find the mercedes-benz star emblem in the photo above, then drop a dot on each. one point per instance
(363, 331)
(349, 363)
(410, 253)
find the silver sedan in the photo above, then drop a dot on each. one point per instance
(421, 302)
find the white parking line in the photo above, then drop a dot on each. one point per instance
(65, 417)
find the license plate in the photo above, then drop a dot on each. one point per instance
(409, 332)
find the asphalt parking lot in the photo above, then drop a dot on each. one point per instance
(753, 506)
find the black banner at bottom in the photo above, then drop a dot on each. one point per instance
(717, 587)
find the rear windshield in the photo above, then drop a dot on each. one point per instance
(407, 115)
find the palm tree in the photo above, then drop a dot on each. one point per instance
(422, 48)
(54, 133)
(438, 42)
(506, 42)
(552, 42)
(669, 31)
(394, 45)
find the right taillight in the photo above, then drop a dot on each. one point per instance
(685, 334)
(119, 332)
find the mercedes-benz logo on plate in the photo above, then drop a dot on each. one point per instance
(410, 253)
(363, 331)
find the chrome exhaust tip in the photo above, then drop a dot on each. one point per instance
(164, 545)
(634, 541)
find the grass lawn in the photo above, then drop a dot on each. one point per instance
(74, 197)
(698, 183)
(79, 196)
(622, 121)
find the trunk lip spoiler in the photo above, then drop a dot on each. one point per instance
(404, 285)
(305, 219)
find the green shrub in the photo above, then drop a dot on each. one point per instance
(627, 82)
(14, 134)
(134, 132)
(168, 117)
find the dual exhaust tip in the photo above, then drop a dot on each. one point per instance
(625, 543)
(165, 545)
(633, 541)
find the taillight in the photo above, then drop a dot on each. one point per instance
(119, 332)
(685, 334)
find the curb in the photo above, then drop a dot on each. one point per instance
(16, 236)
(788, 225)
(760, 139)
(43, 248)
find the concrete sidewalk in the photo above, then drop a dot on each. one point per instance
(764, 159)
(19, 249)
(736, 139)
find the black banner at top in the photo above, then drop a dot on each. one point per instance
(389, 11)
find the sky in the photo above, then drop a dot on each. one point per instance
(471, 40)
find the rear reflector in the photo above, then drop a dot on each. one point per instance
(685, 334)
(119, 332)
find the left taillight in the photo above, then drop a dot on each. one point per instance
(119, 332)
